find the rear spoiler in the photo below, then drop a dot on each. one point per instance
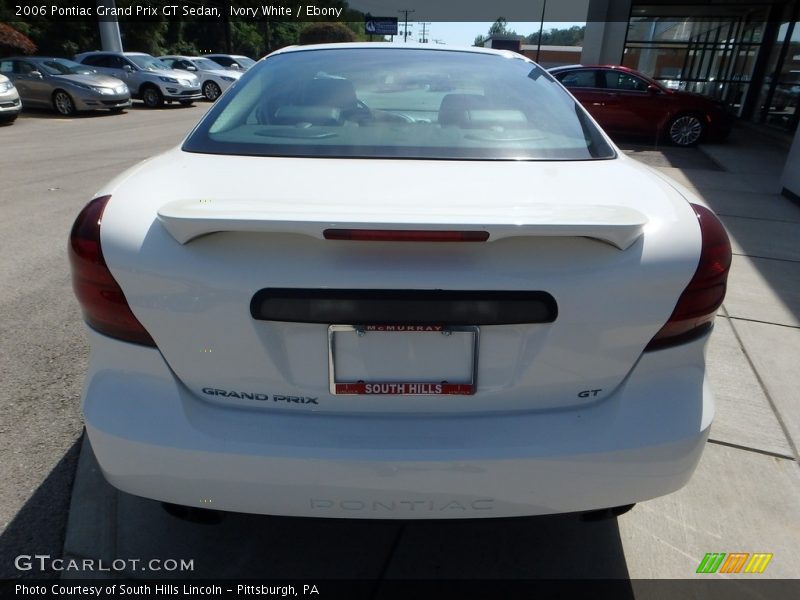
(186, 220)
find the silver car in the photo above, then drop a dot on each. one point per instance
(149, 79)
(10, 104)
(63, 85)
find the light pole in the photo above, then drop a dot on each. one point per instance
(541, 27)
(110, 39)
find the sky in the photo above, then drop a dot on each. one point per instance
(464, 33)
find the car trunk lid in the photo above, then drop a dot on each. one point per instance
(197, 242)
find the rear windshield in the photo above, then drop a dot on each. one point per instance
(398, 103)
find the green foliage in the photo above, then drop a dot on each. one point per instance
(323, 33)
(500, 27)
(560, 37)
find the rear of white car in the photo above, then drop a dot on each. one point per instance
(306, 336)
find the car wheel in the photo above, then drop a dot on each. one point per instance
(685, 130)
(211, 90)
(152, 97)
(63, 103)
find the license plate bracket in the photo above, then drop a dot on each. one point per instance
(402, 359)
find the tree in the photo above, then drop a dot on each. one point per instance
(560, 37)
(14, 42)
(323, 33)
(498, 28)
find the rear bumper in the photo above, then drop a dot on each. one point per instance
(153, 438)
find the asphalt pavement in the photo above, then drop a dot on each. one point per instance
(744, 497)
(51, 167)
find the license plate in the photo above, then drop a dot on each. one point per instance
(402, 359)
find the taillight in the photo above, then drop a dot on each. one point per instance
(104, 305)
(700, 300)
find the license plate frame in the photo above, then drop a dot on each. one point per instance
(402, 388)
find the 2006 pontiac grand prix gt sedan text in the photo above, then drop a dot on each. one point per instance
(393, 282)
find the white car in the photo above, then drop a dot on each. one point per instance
(234, 62)
(10, 104)
(285, 329)
(214, 79)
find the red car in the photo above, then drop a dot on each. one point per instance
(626, 102)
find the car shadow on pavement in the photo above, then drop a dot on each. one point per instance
(763, 226)
(551, 547)
(40, 525)
(665, 155)
(165, 106)
(44, 113)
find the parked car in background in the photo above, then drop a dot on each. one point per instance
(236, 62)
(63, 85)
(10, 104)
(214, 79)
(277, 327)
(627, 102)
(149, 79)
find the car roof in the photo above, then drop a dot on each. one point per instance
(612, 67)
(35, 57)
(402, 47)
(113, 52)
(183, 56)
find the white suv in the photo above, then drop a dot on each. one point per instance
(149, 79)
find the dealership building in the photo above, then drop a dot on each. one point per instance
(745, 53)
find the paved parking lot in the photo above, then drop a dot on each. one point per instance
(745, 496)
(51, 167)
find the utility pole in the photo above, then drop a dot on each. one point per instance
(406, 12)
(424, 39)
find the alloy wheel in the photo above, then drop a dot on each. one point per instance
(685, 130)
(63, 103)
(211, 90)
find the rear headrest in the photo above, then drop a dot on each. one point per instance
(453, 109)
(326, 91)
